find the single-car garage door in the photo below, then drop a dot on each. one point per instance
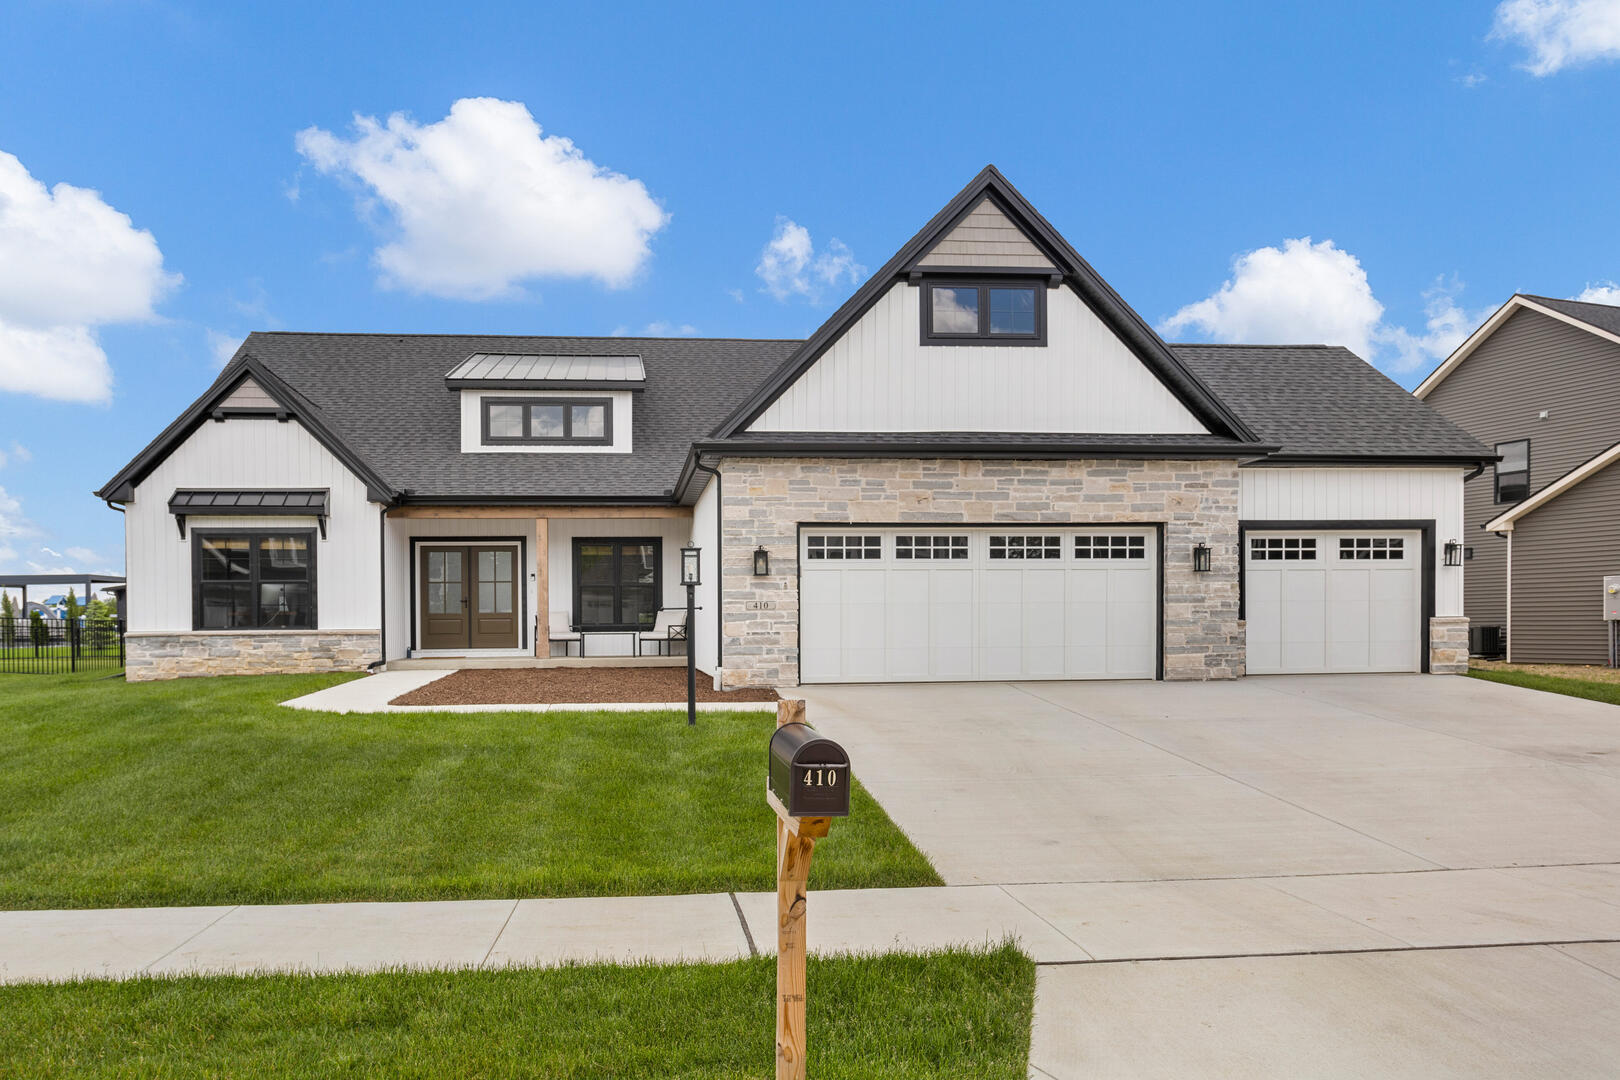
(1332, 601)
(914, 604)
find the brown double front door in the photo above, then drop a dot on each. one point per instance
(469, 597)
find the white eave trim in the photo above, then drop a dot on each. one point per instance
(1503, 522)
(1477, 338)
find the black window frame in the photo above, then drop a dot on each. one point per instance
(253, 537)
(1497, 473)
(619, 543)
(527, 403)
(983, 336)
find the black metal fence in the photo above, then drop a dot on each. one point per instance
(36, 645)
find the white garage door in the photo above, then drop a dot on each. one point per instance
(909, 604)
(1332, 601)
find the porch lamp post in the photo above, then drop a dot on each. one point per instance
(691, 578)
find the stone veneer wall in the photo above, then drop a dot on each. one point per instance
(765, 499)
(1448, 645)
(149, 656)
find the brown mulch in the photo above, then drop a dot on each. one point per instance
(1562, 671)
(583, 685)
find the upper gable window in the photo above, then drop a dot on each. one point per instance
(1513, 471)
(547, 421)
(983, 313)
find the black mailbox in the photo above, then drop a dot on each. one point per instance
(809, 773)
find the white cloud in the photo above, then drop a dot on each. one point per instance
(83, 556)
(480, 202)
(21, 452)
(790, 266)
(223, 346)
(1318, 293)
(665, 329)
(1604, 292)
(1560, 33)
(68, 263)
(14, 525)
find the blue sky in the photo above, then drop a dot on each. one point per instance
(1380, 175)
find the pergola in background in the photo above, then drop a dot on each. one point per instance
(109, 582)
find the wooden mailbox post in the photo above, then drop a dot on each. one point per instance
(808, 786)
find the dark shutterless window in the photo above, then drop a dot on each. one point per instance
(547, 421)
(618, 582)
(984, 313)
(1513, 471)
(253, 580)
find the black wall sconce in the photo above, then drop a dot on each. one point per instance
(1454, 553)
(1201, 559)
(762, 561)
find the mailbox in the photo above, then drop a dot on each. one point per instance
(809, 773)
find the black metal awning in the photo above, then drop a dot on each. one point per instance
(280, 502)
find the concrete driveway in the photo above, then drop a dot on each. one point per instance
(1329, 876)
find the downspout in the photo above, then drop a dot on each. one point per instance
(719, 563)
(382, 590)
(1509, 627)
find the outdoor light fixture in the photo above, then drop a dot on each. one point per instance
(1201, 559)
(1454, 553)
(689, 566)
(762, 561)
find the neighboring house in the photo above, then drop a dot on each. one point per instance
(984, 465)
(1537, 383)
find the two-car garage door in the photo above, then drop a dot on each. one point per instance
(1333, 601)
(916, 604)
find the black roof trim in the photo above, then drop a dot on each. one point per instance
(121, 488)
(1329, 460)
(943, 444)
(1097, 294)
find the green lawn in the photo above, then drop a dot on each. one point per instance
(1553, 684)
(205, 791)
(953, 1014)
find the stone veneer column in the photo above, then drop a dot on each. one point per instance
(766, 499)
(1448, 645)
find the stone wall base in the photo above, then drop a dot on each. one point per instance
(1448, 645)
(150, 656)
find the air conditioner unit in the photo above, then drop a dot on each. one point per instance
(1488, 642)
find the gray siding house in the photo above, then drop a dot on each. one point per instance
(984, 466)
(1537, 383)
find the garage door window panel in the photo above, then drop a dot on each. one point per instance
(1049, 546)
(1372, 548)
(1282, 548)
(930, 547)
(1110, 547)
(843, 548)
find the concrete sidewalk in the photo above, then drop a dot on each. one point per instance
(1074, 924)
(373, 693)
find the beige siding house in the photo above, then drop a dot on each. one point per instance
(984, 466)
(1537, 383)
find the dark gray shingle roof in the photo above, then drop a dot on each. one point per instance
(385, 396)
(1323, 400)
(1602, 316)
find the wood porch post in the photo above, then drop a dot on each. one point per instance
(542, 587)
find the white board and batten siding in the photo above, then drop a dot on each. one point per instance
(879, 377)
(242, 453)
(706, 538)
(1366, 494)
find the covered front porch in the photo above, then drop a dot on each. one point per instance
(496, 586)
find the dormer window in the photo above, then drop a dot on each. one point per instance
(983, 313)
(547, 421)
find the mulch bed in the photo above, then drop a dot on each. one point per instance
(585, 685)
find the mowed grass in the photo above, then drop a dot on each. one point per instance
(1553, 684)
(207, 791)
(954, 1014)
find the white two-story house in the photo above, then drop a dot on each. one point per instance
(985, 465)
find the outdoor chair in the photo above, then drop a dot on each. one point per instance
(561, 631)
(669, 626)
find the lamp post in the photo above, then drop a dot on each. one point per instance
(690, 577)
